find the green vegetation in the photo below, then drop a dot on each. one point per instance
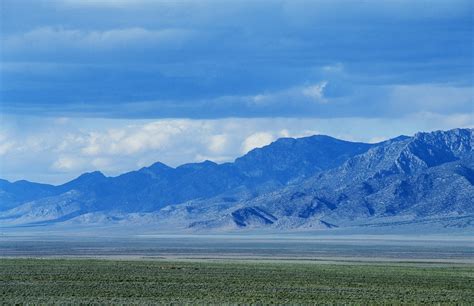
(62, 281)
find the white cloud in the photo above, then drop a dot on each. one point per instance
(259, 99)
(133, 139)
(101, 163)
(40, 151)
(68, 163)
(304, 96)
(218, 143)
(336, 68)
(6, 146)
(256, 140)
(316, 91)
(284, 133)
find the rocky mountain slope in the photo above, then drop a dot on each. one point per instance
(427, 177)
(315, 182)
(146, 190)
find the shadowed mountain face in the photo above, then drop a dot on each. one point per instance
(150, 188)
(313, 182)
(14, 194)
(427, 176)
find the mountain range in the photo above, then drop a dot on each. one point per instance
(424, 182)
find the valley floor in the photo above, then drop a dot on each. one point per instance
(290, 247)
(286, 269)
(63, 281)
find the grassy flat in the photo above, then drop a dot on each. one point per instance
(62, 281)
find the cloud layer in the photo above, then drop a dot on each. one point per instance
(210, 59)
(58, 149)
(118, 84)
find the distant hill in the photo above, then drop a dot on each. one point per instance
(315, 182)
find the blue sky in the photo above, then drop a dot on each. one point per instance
(115, 85)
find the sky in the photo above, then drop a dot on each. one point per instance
(115, 85)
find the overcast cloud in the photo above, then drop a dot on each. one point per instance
(133, 82)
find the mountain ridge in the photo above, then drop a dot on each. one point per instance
(246, 172)
(315, 182)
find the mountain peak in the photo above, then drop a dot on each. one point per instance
(455, 142)
(91, 175)
(85, 179)
(457, 132)
(158, 166)
(198, 166)
(427, 149)
(399, 138)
